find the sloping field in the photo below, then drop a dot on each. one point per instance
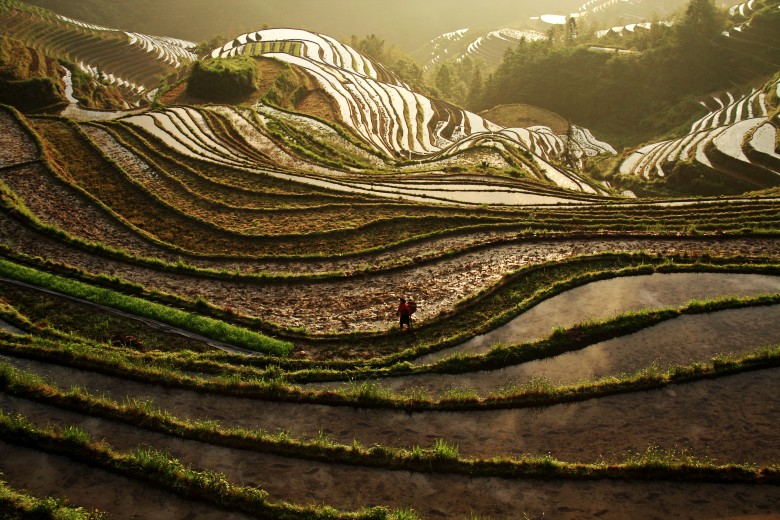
(224, 302)
(198, 312)
(736, 140)
(384, 113)
(134, 62)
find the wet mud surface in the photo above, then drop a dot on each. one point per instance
(367, 302)
(606, 298)
(432, 495)
(682, 341)
(729, 419)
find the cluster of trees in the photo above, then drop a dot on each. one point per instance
(459, 82)
(632, 96)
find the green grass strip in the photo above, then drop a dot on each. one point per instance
(15, 505)
(442, 457)
(158, 469)
(209, 327)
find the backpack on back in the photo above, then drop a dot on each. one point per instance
(412, 306)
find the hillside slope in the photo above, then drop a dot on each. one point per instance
(133, 62)
(385, 113)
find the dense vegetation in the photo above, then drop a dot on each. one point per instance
(223, 80)
(631, 97)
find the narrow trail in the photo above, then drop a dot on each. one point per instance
(154, 324)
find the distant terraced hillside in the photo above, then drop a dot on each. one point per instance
(133, 62)
(487, 46)
(388, 116)
(735, 146)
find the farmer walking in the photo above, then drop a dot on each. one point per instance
(404, 314)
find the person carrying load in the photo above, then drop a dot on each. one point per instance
(405, 311)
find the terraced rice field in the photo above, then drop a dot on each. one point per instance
(736, 139)
(280, 383)
(197, 314)
(131, 61)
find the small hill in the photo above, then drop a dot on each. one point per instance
(520, 115)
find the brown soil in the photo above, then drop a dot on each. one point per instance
(368, 303)
(432, 495)
(15, 145)
(319, 104)
(178, 96)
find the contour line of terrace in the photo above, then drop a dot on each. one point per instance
(356, 97)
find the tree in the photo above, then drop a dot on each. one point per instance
(701, 23)
(371, 46)
(475, 89)
(445, 83)
(570, 34)
(408, 71)
(205, 47)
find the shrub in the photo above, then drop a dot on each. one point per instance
(444, 450)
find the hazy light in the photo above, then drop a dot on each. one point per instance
(554, 19)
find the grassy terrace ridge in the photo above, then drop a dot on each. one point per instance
(70, 351)
(576, 337)
(158, 469)
(195, 171)
(12, 204)
(208, 327)
(738, 227)
(277, 221)
(442, 457)
(109, 183)
(17, 505)
(560, 341)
